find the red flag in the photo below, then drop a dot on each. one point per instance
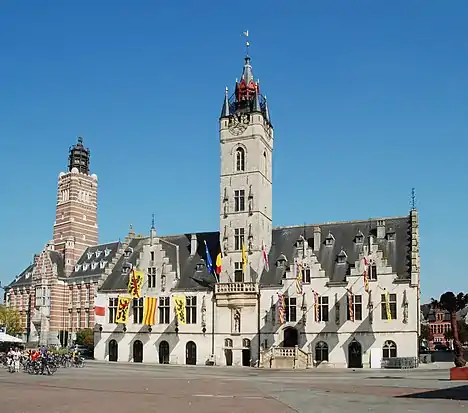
(100, 311)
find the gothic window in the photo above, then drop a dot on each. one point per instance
(164, 310)
(323, 308)
(137, 310)
(151, 255)
(239, 200)
(152, 277)
(246, 343)
(238, 238)
(240, 159)
(87, 293)
(389, 350)
(306, 275)
(291, 309)
(372, 272)
(191, 309)
(357, 307)
(113, 303)
(228, 343)
(392, 298)
(238, 273)
(321, 351)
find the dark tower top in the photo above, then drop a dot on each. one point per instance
(79, 157)
(246, 97)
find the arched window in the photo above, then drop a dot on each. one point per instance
(321, 351)
(228, 343)
(240, 159)
(246, 343)
(389, 349)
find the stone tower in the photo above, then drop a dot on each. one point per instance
(75, 226)
(246, 138)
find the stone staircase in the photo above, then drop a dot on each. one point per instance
(284, 358)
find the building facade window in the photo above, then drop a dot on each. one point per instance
(238, 273)
(321, 351)
(389, 349)
(191, 309)
(239, 200)
(164, 310)
(137, 310)
(113, 304)
(372, 272)
(240, 160)
(290, 309)
(323, 308)
(392, 298)
(152, 277)
(306, 275)
(239, 234)
(357, 307)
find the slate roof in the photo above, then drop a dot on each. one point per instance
(194, 274)
(397, 251)
(94, 261)
(25, 278)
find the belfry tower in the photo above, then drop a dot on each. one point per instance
(75, 226)
(246, 139)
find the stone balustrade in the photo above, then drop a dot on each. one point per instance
(236, 294)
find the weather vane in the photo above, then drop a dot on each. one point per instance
(247, 44)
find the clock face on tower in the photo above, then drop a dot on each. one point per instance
(238, 124)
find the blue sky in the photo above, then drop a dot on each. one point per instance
(368, 99)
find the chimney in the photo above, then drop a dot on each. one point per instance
(380, 229)
(317, 238)
(193, 245)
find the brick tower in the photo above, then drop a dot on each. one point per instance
(75, 226)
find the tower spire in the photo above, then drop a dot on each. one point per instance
(79, 157)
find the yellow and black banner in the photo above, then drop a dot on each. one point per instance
(135, 281)
(122, 310)
(179, 308)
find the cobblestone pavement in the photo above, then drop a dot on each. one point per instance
(173, 389)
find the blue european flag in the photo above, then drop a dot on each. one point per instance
(209, 262)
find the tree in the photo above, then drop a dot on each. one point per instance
(462, 332)
(11, 319)
(425, 333)
(85, 337)
(452, 303)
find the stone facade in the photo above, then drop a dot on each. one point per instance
(331, 318)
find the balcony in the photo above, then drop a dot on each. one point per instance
(236, 294)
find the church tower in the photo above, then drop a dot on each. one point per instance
(75, 226)
(246, 138)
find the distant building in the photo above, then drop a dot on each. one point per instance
(439, 324)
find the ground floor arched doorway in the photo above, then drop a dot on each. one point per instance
(228, 356)
(164, 352)
(291, 337)
(354, 355)
(191, 353)
(113, 350)
(246, 357)
(137, 351)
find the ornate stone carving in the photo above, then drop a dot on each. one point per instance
(405, 308)
(236, 321)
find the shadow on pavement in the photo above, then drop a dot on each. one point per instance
(453, 393)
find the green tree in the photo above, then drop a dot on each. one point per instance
(425, 333)
(11, 319)
(452, 303)
(85, 337)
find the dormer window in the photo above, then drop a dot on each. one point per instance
(28, 274)
(94, 265)
(300, 243)
(77, 267)
(342, 257)
(200, 266)
(106, 252)
(329, 240)
(90, 254)
(391, 234)
(85, 266)
(128, 252)
(359, 238)
(126, 268)
(98, 253)
(102, 264)
(281, 261)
